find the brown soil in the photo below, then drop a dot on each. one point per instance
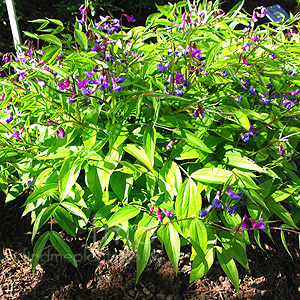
(110, 273)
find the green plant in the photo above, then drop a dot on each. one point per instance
(186, 116)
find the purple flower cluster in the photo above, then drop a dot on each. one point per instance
(167, 213)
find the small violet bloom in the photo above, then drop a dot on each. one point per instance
(230, 210)
(16, 135)
(2, 97)
(245, 60)
(245, 137)
(264, 99)
(216, 202)
(159, 217)
(291, 72)
(232, 195)
(151, 210)
(247, 47)
(281, 150)
(296, 92)
(129, 18)
(204, 213)
(246, 223)
(252, 91)
(162, 68)
(30, 181)
(269, 85)
(10, 118)
(199, 110)
(272, 56)
(168, 214)
(224, 74)
(168, 147)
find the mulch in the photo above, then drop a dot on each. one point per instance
(110, 273)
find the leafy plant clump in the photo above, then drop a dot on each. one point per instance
(185, 129)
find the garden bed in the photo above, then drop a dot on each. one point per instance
(110, 273)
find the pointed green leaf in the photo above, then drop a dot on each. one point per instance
(62, 247)
(65, 221)
(38, 249)
(122, 215)
(172, 244)
(68, 174)
(201, 266)
(198, 235)
(228, 265)
(107, 238)
(40, 193)
(50, 38)
(143, 253)
(81, 39)
(149, 142)
(212, 175)
(74, 209)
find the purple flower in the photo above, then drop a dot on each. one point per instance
(120, 79)
(252, 91)
(86, 103)
(281, 150)
(255, 38)
(253, 130)
(159, 217)
(82, 84)
(97, 48)
(247, 46)
(2, 97)
(130, 19)
(263, 12)
(245, 82)
(245, 60)
(258, 225)
(89, 73)
(246, 223)
(245, 137)
(61, 133)
(151, 210)
(230, 210)
(272, 56)
(168, 214)
(30, 181)
(64, 84)
(291, 72)
(247, 29)
(275, 95)
(204, 213)
(162, 68)
(216, 202)
(16, 135)
(224, 74)
(83, 11)
(168, 147)
(264, 99)
(10, 118)
(293, 93)
(232, 195)
(199, 110)
(285, 103)
(269, 85)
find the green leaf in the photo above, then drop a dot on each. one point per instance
(50, 38)
(139, 153)
(38, 249)
(284, 243)
(211, 54)
(212, 175)
(193, 140)
(68, 175)
(201, 266)
(42, 218)
(81, 39)
(172, 243)
(280, 211)
(122, 215)
(42, 192)
(149, 142)
(241, 119)
(117, 136)
(198, 235)
(65, 221)
(107, 238)
(188, 201)
(74, 209)
(143, 253)
(15, 191)
(228, 265)
(283, 194)
(92, 181)
(62, 247)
